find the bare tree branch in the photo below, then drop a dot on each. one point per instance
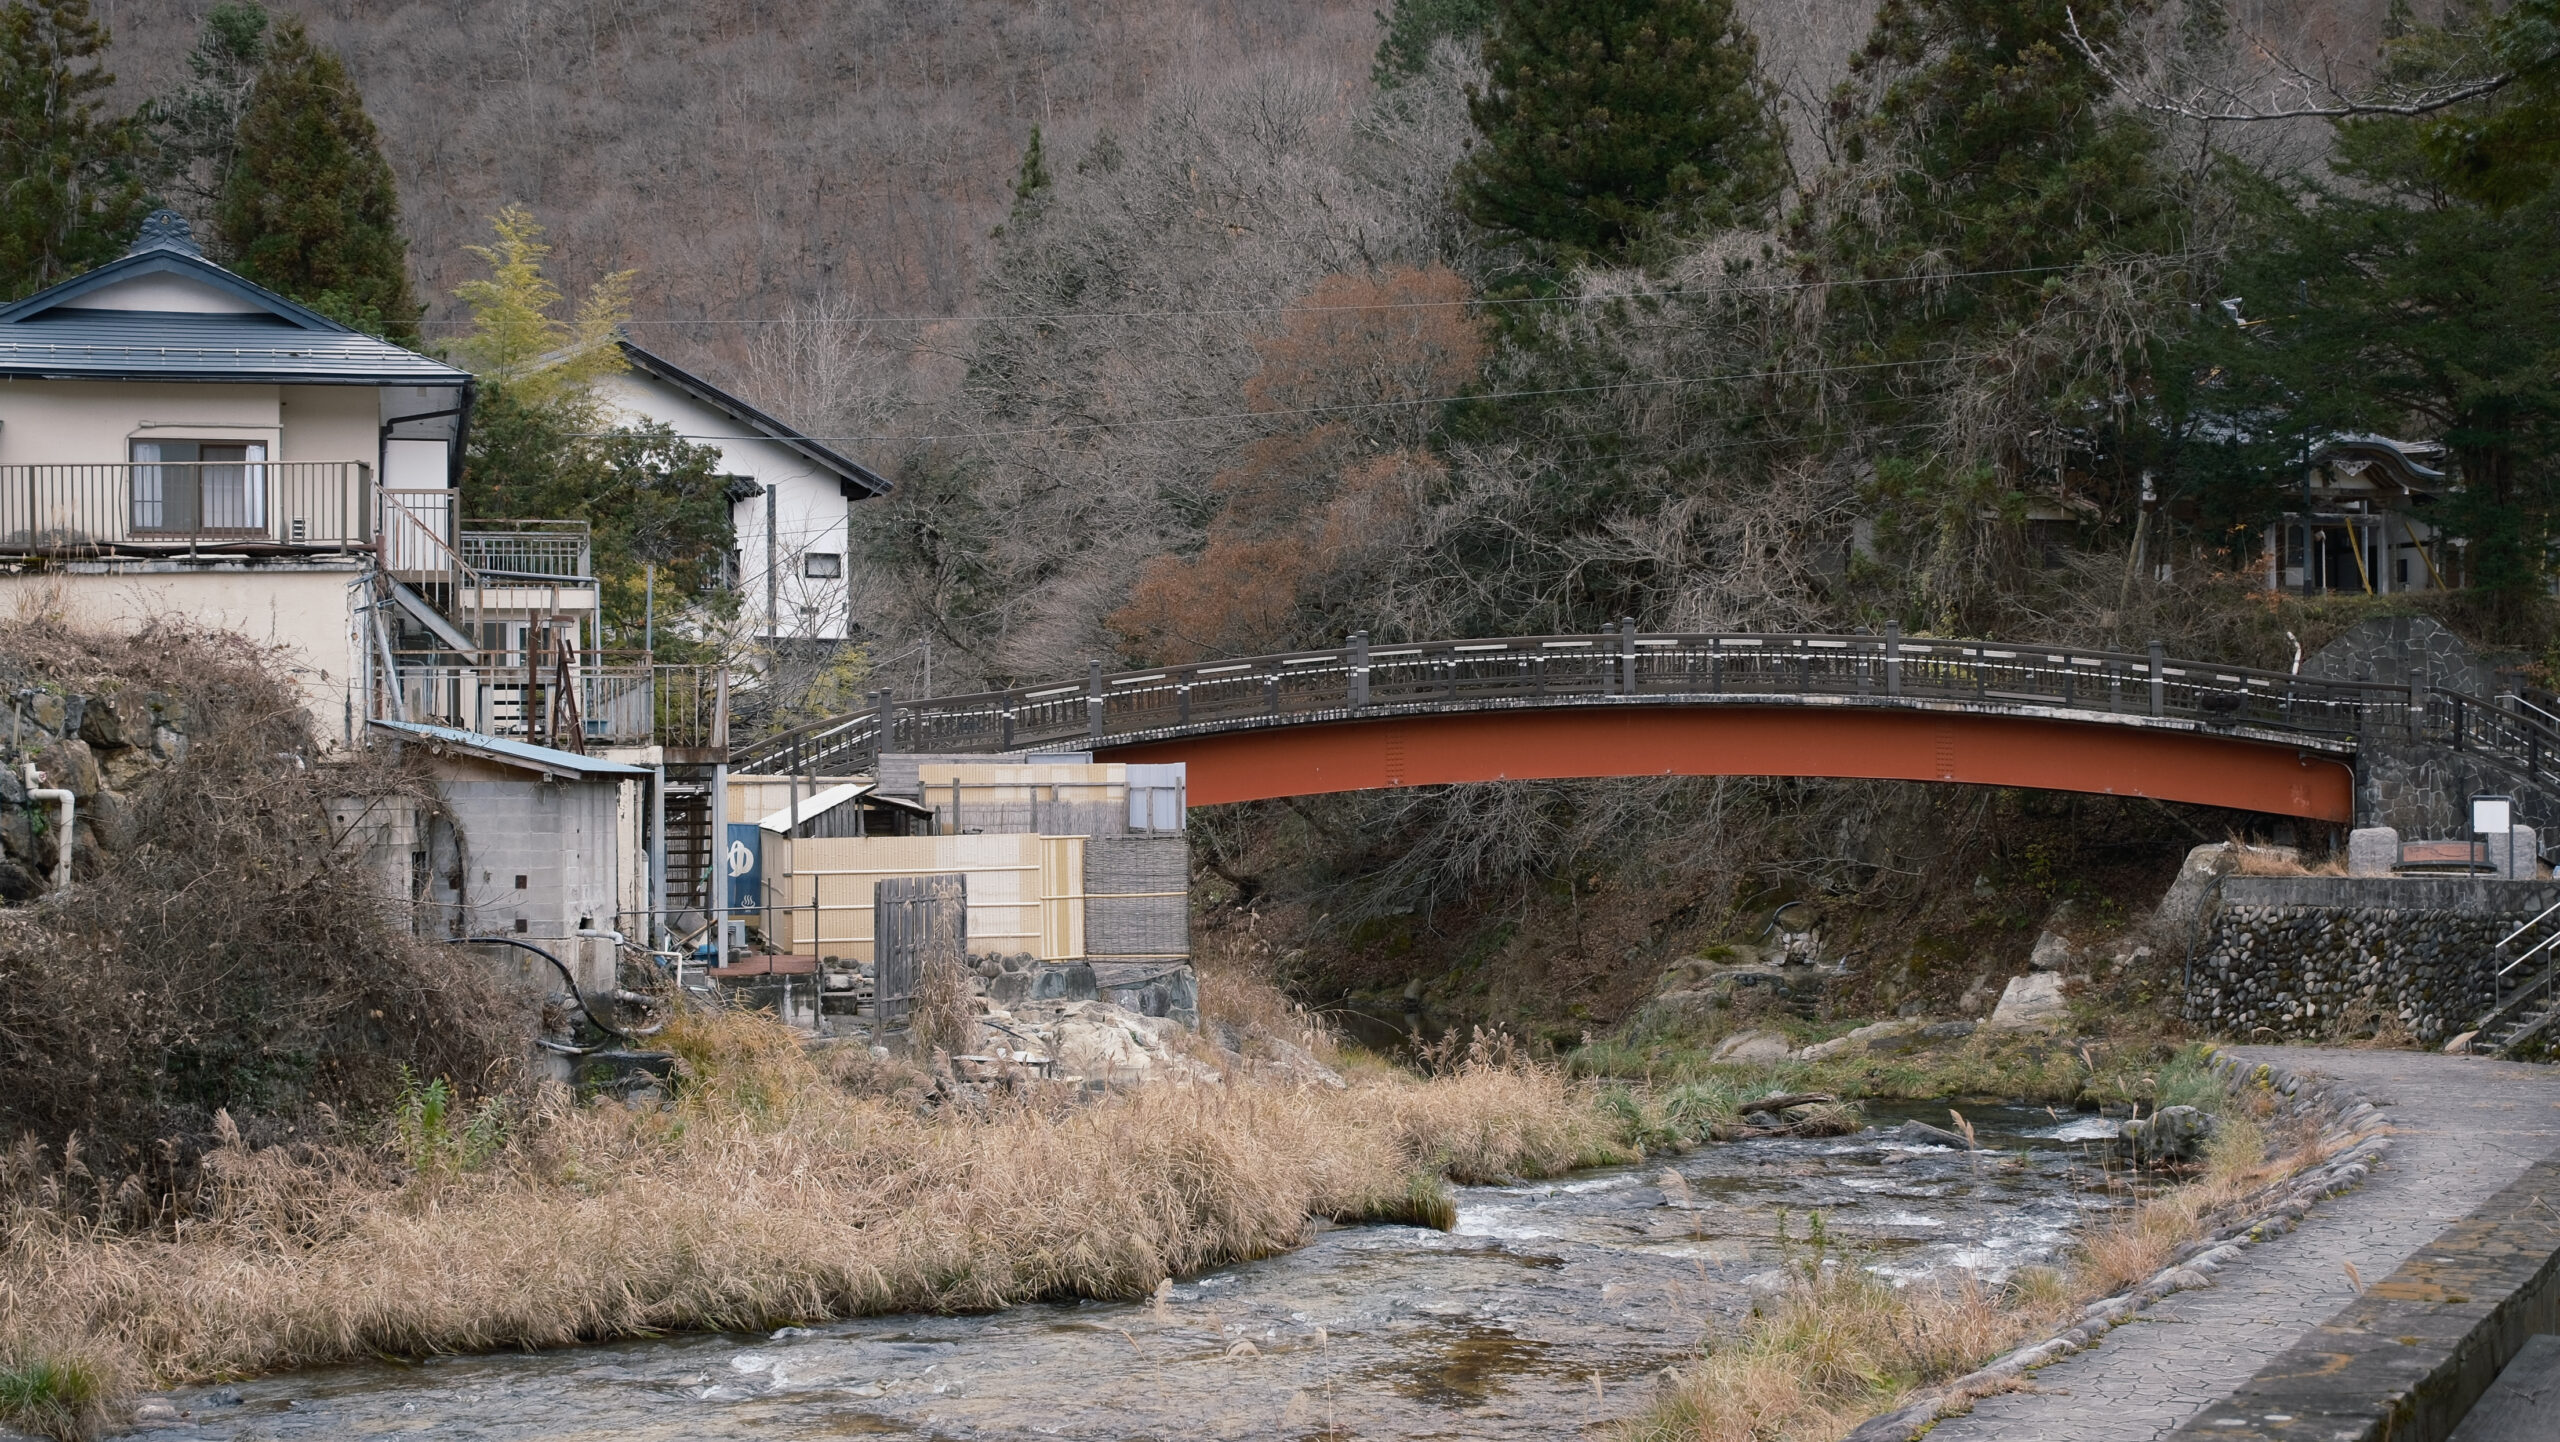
(2324, 99)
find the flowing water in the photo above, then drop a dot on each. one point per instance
(1551, 1308)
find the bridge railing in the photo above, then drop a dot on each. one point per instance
(1543, 670)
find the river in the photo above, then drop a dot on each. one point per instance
(1552, 1307)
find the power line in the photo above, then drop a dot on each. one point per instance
(1362, 406)
(1474, 302)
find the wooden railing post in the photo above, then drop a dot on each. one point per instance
(1093, 698)
(1609, 670)
(2159, 680)
(1893, 658)
(1627, 655)
(1357, 654)
(886, 736)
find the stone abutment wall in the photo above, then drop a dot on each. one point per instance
(2304, 958)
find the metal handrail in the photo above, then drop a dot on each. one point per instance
(2547, 913)
(151, 507)
(1616, 667)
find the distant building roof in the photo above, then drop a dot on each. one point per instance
(561, 765)
(2405, 462)
(181, 317)
(855, 479)
(818, 804)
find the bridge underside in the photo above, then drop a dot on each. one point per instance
(1885, 745)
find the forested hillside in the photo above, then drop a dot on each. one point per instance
(1192, 330)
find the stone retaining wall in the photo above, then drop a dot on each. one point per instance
(2293, 958)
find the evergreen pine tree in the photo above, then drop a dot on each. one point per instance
(2382, 300)
(310, 208)
(198, 125)
(1981, 146)
(73, 186)
(1605, 123)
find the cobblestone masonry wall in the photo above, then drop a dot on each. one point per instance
(2294, 958)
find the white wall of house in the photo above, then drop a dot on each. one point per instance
(812, 518)
(303, 608)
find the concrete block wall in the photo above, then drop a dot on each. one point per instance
(2295, 958)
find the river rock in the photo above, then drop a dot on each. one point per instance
(2053, 953)
(1752, 1046)
(2172, 1134)
(2032, 1003)
(1864, 1038)
(1921, 1134)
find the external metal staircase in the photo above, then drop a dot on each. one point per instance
(2528, 983)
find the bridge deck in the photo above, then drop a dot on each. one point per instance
(1625, 703)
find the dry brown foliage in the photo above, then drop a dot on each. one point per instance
(766, 1195)
(229, 950)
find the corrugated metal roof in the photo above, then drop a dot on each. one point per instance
(812, 807)
(521, 753)
(74, 343)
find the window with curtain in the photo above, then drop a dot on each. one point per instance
(188, 488)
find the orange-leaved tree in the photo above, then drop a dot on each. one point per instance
(1313, 515)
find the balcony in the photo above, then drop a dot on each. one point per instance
(176, 507)
(573, 701)
(528, 550)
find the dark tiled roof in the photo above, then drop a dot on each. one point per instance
(51, 334)
(71, 343)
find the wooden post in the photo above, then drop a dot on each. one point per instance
(1893, 658)
(1093, 698)
(1357, 654)
(1627, 655)
(2159, 680)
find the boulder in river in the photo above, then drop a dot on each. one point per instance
(2172, 1134)
(1921, 1134)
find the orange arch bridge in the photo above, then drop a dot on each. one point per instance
(1626, 703)
(1741, 740)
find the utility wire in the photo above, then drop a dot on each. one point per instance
(1353, 408)
(1043, 317)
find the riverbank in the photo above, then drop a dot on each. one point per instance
(1843, 1346)
(784, 1187)
(778, 1189)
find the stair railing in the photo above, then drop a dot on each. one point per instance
(2507, 1008)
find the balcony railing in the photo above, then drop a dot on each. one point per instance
(510, 550)
(164, 506)
(597, 698)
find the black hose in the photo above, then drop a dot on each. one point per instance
(572, 982)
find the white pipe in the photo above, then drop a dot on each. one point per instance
(70, 817)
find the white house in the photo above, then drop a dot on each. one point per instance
(791, 497)
(177, 443)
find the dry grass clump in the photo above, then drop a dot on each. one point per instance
(1838, 1345)
(2240, 1164)
(2248, 860)
(766, 1195)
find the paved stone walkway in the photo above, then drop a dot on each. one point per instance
(2462, 1128)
